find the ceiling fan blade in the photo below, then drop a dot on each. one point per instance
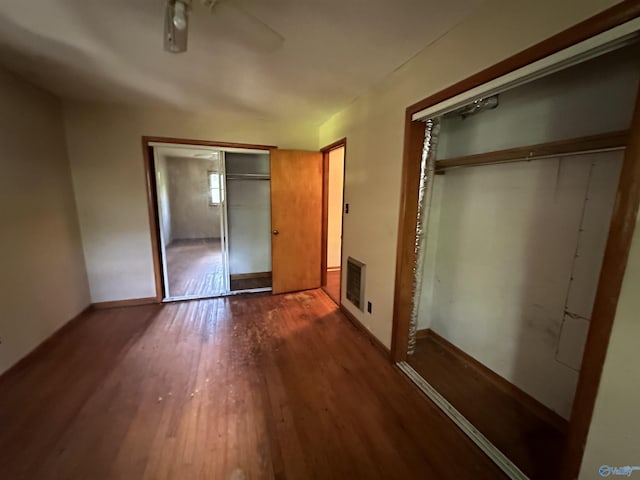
(246, 28)
(175, 40)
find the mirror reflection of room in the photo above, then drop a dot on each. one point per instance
(513, 248)
(190, 200)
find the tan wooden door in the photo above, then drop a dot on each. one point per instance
(296, 217)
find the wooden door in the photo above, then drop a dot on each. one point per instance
(296, 219)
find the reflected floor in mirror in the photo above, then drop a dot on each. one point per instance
(195, 268)
(525, 431)
(333, 285)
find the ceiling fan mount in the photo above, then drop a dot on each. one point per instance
(176, 25)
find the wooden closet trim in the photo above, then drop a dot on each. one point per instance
(618, 243)
(589, 143)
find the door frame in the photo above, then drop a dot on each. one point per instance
(324, 231)
(618, 243)
(152, 198)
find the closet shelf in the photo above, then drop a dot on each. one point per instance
(591, 143)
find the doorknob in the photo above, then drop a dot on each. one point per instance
(275, 232)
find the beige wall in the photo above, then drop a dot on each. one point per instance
(334, 226)
(374, 126)
(43, 283)
(106, 158)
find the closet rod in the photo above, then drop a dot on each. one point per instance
(247, 176)
(574, 146)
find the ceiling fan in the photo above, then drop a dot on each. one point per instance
(247, 29)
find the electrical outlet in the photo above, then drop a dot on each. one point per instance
(369, 307)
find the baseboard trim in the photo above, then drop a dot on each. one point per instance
(333, 269)
(245, 276)
(39, 348)
(132, 302)
(370, 336)
(538, 409)
(424, 333)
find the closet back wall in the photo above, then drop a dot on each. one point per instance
(501, 276)
(248, 213)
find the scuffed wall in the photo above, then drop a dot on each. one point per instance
(506, 242)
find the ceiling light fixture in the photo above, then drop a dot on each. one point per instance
(176, 24)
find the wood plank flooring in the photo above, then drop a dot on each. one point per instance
(532, 443)
(194, 268)
(273, 387)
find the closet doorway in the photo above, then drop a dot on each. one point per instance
(211, 206)
(518, 204)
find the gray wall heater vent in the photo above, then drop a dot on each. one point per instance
(355, 282)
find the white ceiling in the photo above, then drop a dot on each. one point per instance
(111, 51)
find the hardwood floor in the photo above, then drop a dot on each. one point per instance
(332, 288)
(520, 431)
(194, 268)
(274, 387)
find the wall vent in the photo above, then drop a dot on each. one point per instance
(355, 282)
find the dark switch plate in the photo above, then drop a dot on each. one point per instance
(346, 208)
(369, 307)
